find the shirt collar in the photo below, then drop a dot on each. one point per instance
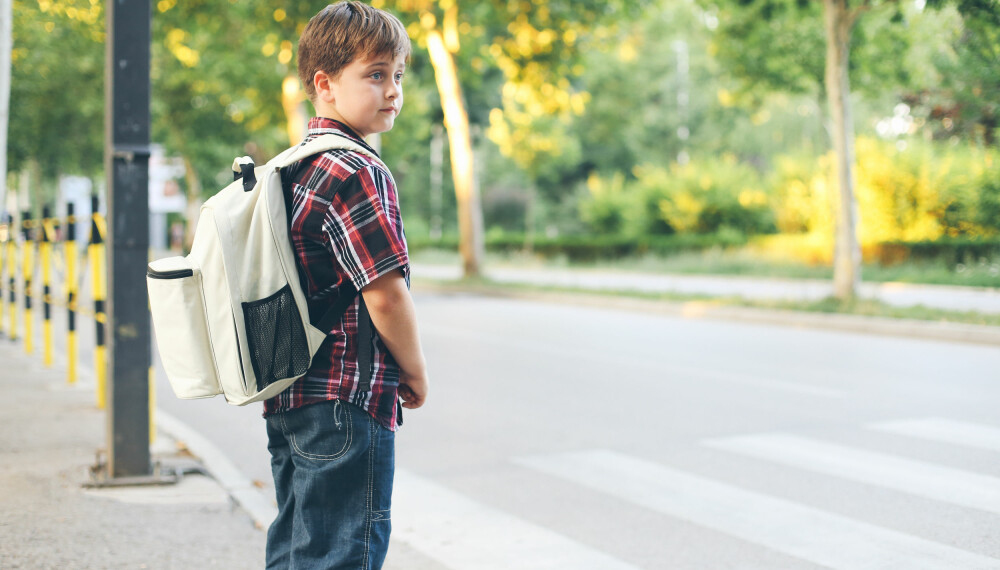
(324, 126)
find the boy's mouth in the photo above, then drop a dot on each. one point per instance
(389, 110)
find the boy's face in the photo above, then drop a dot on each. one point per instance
(367, 96)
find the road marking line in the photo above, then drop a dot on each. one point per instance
(797, 530)
(935, 482)
(462, 533)
(446, 526)
(657, 367)
(966, 434)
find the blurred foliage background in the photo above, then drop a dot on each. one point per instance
(599, 129)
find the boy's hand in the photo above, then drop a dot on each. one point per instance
(413, 389)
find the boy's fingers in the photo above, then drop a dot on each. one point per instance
(410, 398)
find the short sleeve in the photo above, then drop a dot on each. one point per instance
(363, 230)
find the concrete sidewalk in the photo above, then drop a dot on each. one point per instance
(49, 437)
(980, 299)
(591, 288)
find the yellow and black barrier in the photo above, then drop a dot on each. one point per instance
(27, 269)
(29, 246)
(4, 236)
(98, 262)
(69, 253)
(58, 257)
(46, 235)
(12, 277)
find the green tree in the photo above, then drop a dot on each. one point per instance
(57, 86)
(961, 98)
(535, 45)
(217, 73)
(6, 37)
(766, 49)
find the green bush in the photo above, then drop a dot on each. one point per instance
(918, 191)
(604, 211)
(951, 251)
(987, 214)
(703, 197)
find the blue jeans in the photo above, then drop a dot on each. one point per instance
(333, 466)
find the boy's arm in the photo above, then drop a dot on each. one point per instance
(394, 317)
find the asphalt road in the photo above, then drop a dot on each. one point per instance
(559, 436)
(567, 437)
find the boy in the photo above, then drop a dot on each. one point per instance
(331, 441)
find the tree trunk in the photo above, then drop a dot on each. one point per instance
(456, 121)
(293, 102)
(847, 252)
(6, 45)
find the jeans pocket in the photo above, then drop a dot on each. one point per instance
(321, 432)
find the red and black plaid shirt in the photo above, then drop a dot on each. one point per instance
(345, 228)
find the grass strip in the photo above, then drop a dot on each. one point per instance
(742, 263)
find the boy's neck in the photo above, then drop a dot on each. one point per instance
(341, 125)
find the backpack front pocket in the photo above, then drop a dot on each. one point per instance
(177, 305)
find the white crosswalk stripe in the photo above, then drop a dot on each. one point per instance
(808, 533)
(461, 533)
(935, 482)
(965, 434)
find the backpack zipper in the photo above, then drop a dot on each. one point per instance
(173, 274)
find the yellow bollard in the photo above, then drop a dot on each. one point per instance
(4, 236)
(28, 266)
(97, 264)
(70, 253)
(12, 277)
(45, 256)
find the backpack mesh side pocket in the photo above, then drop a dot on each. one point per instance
(277, 338)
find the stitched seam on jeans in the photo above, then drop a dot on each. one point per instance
(381, 516)
(371, 485)
(338, 455)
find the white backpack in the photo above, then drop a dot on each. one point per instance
(231, 317)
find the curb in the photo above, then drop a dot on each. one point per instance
(883, 326)
(238, 485)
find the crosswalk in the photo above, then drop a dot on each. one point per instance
(457, 532)
(462, 533)
(963, 434)
(927, 480)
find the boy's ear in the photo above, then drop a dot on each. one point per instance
(323, 84)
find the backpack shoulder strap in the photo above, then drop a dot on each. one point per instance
(320, 144)
(336, 310)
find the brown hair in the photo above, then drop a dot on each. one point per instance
(343, 32)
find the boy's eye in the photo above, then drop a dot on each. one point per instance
(399, 77)
(377, 75)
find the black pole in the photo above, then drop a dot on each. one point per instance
(127, 164)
